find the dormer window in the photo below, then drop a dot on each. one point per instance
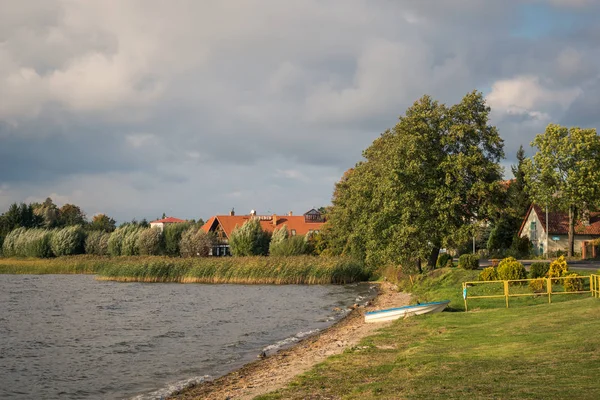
(313, 216)
(293, 232)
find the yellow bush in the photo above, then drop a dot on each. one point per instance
(573, 283)
(538, 285)
(558, 268)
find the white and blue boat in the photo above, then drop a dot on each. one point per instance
(391, 314)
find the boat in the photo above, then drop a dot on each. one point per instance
(391, 314)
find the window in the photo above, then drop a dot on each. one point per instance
(293, 232)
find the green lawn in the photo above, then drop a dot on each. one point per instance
(545, 351)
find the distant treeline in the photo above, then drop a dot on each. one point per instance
(241, 270)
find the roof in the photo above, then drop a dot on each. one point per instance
(169, 220)
(230, 222)
(558, 222)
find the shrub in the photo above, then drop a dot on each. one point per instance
(149, 242)
(572, 283)
(123, 241)
(468, 261)
(96, 243)
(558, 268)
(488, 274)
(172, 237)
(68, 241)
(23, 242)
(538, 269)
(510, 269)
(538, 285)
(443, 260)
(249, 240)
(291, 246)
(195, 242)
(520, 247)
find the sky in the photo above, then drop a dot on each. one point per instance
(135, 108)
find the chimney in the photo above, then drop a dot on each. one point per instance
(290, 213)
(232, 212)
(274, 219)
(253, 213)
(585, 217)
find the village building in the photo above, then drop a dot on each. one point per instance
(557, 237)
(223, 225)
(161, 223)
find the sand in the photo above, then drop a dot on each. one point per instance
(278, 370)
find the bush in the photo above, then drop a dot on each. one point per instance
(292, 246)
(520, 247)
(149, 242)
(488, 274)
(468, 261)
(130, 241)
(123, 241)
(558, 268)
(510, 269)
(96, 243)
(538, 269)
(195, 243)
(68, 241)
(572, 283)
(538, 285)
(249, 240)
(172, 237)
(23, 242)
(443, 260)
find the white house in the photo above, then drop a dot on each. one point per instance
(534, 228)
(161, 223)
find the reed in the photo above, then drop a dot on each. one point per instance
(240, 270)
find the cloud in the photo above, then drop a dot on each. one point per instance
(142, 107)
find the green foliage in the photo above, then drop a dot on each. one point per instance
(71, 215)
(195, 242)
(172, 237)
(23, 242)
(437, 168)
(510, 269)
(538, 269)
(48, 212)
(291, 246)
(573, 283)
(96, 243)
(564, 171)
(249, 240)
(520, 247)
(123, 241)
(468, 261)
(443, 260)
(149, 242)
(558, 268)
(68, 241)
(488, 274)
(278, 236)
(102, 222)
(130, 241)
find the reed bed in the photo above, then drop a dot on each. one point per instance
(238, 270)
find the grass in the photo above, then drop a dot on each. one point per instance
(526, 352)
(243, 270)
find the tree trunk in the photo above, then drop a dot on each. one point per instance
(571, 247)
(435, 252)
(419, 265)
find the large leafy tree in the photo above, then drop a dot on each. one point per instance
(421, 185)
(102, 222)
(565, 172)
(70, 215)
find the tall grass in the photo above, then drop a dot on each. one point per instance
(241, 270)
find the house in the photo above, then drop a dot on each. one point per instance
(534, 228)
(223, 225)
(161, 223)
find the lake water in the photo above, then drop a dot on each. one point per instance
(72, 337)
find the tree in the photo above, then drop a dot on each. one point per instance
(172, 236)
(195, 242)
(102, 222)
(423, 184)
(518, 198)
(70, 215)
(49, 213)
(565, 172)
(249, 240)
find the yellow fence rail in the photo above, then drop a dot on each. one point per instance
(594, 285)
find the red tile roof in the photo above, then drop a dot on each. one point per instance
(230, 222)
(169, 220)
(558, 222)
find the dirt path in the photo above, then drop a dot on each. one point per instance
(277, 370)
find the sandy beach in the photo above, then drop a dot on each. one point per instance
(277, 370)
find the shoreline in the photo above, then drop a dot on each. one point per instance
(279, 369)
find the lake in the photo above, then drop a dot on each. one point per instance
(72, 337)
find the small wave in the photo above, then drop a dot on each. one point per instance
(287, 341)
(172, 388)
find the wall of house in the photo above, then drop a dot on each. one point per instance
(158, 225)
(539, 238)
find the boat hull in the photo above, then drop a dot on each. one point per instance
(391, 314)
